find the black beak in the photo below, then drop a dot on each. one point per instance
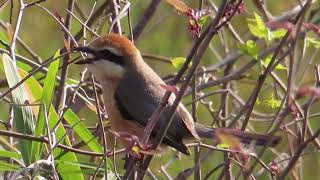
(84, 49)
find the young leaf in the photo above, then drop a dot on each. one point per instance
(271, 101)
(203, 20)
(277, 34)
(313, 42)
(258, 28)
(178, 62)
(250, 48)
(267, 61)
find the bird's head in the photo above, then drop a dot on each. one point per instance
(110, 56)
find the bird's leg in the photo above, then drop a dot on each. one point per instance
(134, 148)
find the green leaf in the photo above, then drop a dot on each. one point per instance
(46, 100)
(223, 145)
(313, 42)
(10, 154)
(4, 38)
(203, 20)
(271, 101)
(72, 81)
(267, 60)
(8, 167)
(279, 33)
(63, 169)
(258, 28)
(89, 168)
(178, 62)
(250, 48)
(83, 132)
(23, 116)
(24, 66)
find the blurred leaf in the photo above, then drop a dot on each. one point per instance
(89, 167)
(271, 102)
(72, 81)
(8, 166)
(4, 38)
(33, 99)
(313, 42)
(24, 66)
(178, 62)
(267, 60)
(250, 48)
(277, 34)
(23, 116)
(46, 100)
(283, 26)
(6, 144)
(10, 154)
(228, 140)
(223, 145)
(257, 27)
(203, 20)
(179, 5)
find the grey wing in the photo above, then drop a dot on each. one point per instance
(137, 103)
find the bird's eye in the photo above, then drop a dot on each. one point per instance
(106, 54)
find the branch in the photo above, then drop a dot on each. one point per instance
(62, 146)
(297, 154)
(147, 15)
(207, 36)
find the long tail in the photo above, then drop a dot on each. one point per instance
(244, 137)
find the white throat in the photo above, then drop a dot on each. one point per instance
(104, 68)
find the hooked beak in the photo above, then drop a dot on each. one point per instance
(85, 49)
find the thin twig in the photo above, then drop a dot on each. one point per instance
(66, 59)
(62, 146)
(104, 138)
(198, 55)
(147, 15)
(297, 154)
(114, 9)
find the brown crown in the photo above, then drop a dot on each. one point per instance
(126, 47)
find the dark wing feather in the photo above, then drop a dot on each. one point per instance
(138, 102)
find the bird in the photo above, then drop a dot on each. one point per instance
(132, 91)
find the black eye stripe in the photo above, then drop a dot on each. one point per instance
(109, 56)
(104, 54)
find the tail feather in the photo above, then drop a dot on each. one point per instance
(244, 137)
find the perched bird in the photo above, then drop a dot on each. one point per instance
(132, 91)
